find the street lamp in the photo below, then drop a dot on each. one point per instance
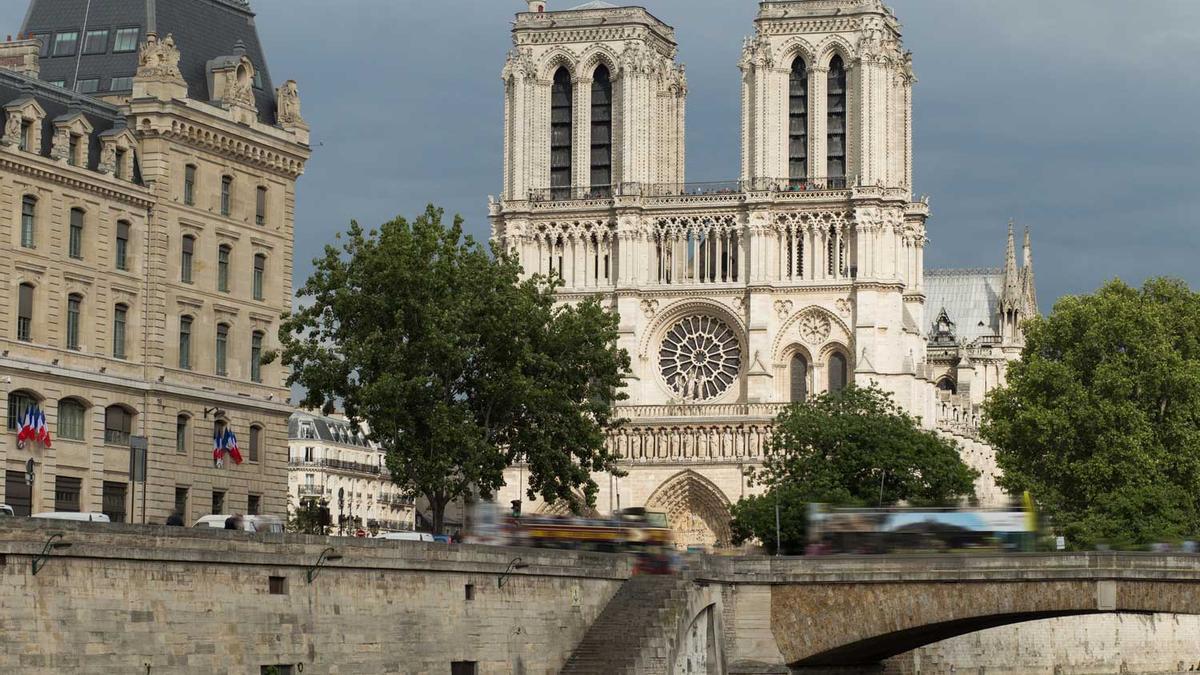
(514, 564)
(326, 556)
(40, 560)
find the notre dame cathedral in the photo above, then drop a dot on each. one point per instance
(803, 274)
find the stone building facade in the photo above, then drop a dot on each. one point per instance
(332, 461)
(147, 178)
(802, 275)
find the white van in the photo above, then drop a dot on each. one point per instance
(249, 523)
(84, 516)
(406, 536)
(5, 510)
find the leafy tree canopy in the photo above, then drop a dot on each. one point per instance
(851, 447)
(457, 365)
(1100, 418)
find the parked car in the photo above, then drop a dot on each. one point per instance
(249, 523)
(406, 536)
(5, 510)
(84, 516)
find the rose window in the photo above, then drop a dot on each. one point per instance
(699, 358)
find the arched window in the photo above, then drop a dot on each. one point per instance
(25, 312)
(74, 303)
(185, 259)
(256, 345)
(182, 434)
(122, 250)
(72, 414)
(185, 342)
(837, 371)
(19, 402)
(799, 378)
(260, 206)
(29, 221)
(120, 317)
(118, 425)
(947, 384)
(75, 235)
(256, 433)
(226, 195)
(223, 268)
(798, 125)
(601, 132)
(260, 271)
(560, 134)
(222, 348)
(835, 148)
(189, 185)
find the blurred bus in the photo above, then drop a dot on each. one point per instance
(834, 530)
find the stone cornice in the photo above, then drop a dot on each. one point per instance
(38, 167)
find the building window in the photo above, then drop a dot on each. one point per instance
(120, 317)
(28, 221)
(71, 415)
(223, 268)
(181, 503)
(65, 43)
(114, 501)
(122, 257)
(836, 128)
(253, 503)
(256, 433)
(18, 404)
(601, 132)
(26, 136)
(74, 302)
(256, 344)
(181, 434)
(260, 206)
(66, 493)
(218, 501)
(73, 150)
(75, 238)
(185, 342)
(560, 134)
(88, 85)
(837, 371)
(127, 40)
(17, 494)
(464, 668)
(222, 346)
(226, 194)
(798, 123)
(189, 185)
(260, 270)
(118, 425)
(25, 312)
(799, 379)
(121, 84)
(61, 84)
(119, 169)
(185, 260)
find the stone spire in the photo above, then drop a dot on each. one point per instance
(1012, 278)
(1028, 289)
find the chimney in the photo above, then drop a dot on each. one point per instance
(20, 55)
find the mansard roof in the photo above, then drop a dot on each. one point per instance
(203, 30)
(328, 429)
(970, 298)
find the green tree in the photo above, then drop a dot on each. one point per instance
(306, 518)
(1100, 418)
(458, 366)
(851, 447)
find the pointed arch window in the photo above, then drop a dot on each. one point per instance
(837, 371)
(560, 134)
(835, 147)
(798, 125)
(799, 380)
(601, 132)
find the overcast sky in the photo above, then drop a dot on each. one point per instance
(1076, 117)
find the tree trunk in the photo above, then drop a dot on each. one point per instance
(438, 506)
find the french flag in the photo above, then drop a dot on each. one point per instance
(225, 442)
(33, 428)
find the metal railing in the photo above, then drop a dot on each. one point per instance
(306, 490)
(689, 189)
(572, 193)
(341, 465)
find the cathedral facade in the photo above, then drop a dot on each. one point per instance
(802, 275)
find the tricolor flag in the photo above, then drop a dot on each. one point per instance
(33, 428)
(225, 442)
(231, 446)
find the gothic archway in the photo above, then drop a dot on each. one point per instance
(697, 510)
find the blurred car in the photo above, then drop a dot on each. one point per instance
(406, 536)
(249, 523)
(84, 516)
(5, 510)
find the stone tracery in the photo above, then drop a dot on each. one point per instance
(700, 358)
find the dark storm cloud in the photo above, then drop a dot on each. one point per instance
(1076, 117)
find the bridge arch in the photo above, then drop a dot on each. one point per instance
(697, 510)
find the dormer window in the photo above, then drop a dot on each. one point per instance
(73, 150)
(127, 40)
(119, 169)
(89, 85)
(71, 135)
(26, 135)
(95, 42)
(65, 43)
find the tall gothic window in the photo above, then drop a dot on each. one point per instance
(798, 124)
(799, 379)
(837, 371)
(560, 134)
(601, 132)
(835, 159)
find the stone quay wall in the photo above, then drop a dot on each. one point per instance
(144, 599)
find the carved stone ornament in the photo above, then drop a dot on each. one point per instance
(814, 327)
(649, 308)
(783, 308)
(12, 129)
(700, 358)
(60, 147)
(159, 59)
(845, 306)
(287, 98)
(108, 158)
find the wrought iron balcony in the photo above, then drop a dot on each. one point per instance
(306, 490)
(340, 465)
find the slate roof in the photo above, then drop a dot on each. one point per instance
(970, 297)
(203, 30)
(328, 429)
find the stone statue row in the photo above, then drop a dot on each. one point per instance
(699, 444)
